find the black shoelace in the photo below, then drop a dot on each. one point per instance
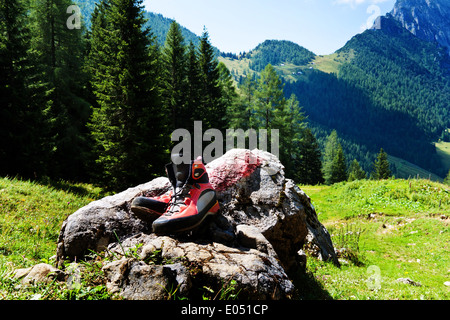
(178, 199)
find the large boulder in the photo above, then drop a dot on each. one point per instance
(160, 266)
(264, 223)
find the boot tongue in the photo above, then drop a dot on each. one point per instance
(180, 169)
(181, 174)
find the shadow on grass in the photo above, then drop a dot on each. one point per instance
(78, 189)
(307, 286)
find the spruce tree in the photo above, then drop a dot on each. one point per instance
(127, 124)
(193, 86)
(211, 110)
(382, 166)
(355, 172)
(229, 95)
(174, 78)
(15, 112)
(240, 113)
(338, 167)
(310, 166)
(269, 96)
(57, 54)
(270, 110)
(331, 147)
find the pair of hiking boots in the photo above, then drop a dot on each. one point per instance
(191, 200)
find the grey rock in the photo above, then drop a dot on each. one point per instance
(426, 19)
(99, 223)
(187, 265)
(266, 226)
(409, 281)
(40, 273)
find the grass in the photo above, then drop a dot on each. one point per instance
(404, 233)
(31, 215)
(332, 62)
(383, 230)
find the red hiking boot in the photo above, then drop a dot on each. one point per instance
(150, 209)
(194, 199)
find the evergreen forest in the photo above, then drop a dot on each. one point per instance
(93, 95)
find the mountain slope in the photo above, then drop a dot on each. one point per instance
(385, 88)
(158, 24)
(426, 19)
(279, 52)
(393, 93)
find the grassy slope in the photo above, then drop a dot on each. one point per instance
(404, 231)
(406, 237)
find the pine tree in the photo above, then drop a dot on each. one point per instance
(211, 110)
(310, 166)
(127, 124)
(270, 110)
(338, 167)
(355, 172)
(269, 96)
(240, 114)
(193, 90)
(174, 78)
(229, 95)
(331, 147)
(58, 87)
(16, 115)
(381, 166)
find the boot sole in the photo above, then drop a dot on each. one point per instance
(145, 214)
(170, 226)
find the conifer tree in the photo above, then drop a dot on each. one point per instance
(310, 166)
(15, 113)
(240, 114)
(382, 166)
(58, 87)
(127, 122)
(338, 167)
(211, 110)
(271, 110)
(355, 172)
(193, 90)
(269, 96)
(331, 147)
(174, 78)
(229, 95)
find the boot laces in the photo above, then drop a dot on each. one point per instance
(177, 199)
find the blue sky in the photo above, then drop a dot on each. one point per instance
(322, 26)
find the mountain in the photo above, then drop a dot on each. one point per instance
(158, 24)
(277, 52)
(387, 87)
(426, 19)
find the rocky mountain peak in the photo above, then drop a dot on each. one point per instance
(427, 19)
